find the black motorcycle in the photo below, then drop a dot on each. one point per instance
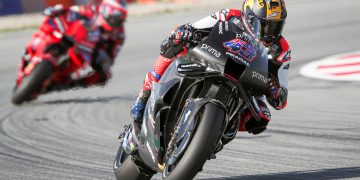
(194, 110)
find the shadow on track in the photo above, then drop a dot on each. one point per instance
(88, 100)
(338, 173)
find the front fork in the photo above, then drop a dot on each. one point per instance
(21, 70)
(26, 67)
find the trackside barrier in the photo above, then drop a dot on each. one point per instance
(146, 1)
(66, 3)
(9, 7)
(29, 6)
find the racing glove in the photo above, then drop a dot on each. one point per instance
(182, 33)
(277, 95)
(175, 43)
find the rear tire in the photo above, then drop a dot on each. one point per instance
(32, 83)
(126, 169)
(201, 146)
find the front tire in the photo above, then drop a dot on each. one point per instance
(32, 83)
(201, 146)
(125, 167)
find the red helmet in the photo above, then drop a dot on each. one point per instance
(112, 14)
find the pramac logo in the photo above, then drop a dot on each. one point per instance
(241, 48)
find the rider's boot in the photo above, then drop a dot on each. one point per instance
(250, 124)
(137, 110)
(137, 113)
(55, 86)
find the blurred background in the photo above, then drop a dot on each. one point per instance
(10, 7)
(20, 14)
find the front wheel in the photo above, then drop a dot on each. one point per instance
(201, 146)
(125, 167)
(32, 83)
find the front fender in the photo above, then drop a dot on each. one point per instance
(188, 121)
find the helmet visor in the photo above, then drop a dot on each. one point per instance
(114, 20)
(271, 29)
(113, 16)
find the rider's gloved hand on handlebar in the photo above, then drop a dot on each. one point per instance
(175, 43)
(54, 11)
(276, 95)
(274, 87)
(181, 34)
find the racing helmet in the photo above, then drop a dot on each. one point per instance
(112, 14)
(272, 15)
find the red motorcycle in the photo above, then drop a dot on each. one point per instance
(54, 56)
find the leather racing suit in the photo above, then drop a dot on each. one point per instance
(279, 57)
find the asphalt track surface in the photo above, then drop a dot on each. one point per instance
(73, 135)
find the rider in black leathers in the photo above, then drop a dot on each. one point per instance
(272, 16)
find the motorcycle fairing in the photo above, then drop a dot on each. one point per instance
(212, 54)
(188, 123)
(149, 138)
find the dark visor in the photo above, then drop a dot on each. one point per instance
(115, 20)
(271, 28)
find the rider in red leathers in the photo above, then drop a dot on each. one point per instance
(272, 15)
(92, 34)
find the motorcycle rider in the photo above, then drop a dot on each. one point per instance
(95, 32)
(272, 15)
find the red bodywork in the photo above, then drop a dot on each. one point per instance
(52, 31)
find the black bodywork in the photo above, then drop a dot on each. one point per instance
(227, 67)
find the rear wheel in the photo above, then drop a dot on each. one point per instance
(32, 83)
(201, 145)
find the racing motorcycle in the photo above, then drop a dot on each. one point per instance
(193, 111)
(36, 75)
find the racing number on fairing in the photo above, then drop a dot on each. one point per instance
(248, 51)
(241, 48)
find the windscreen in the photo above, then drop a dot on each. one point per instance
(252, 23)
